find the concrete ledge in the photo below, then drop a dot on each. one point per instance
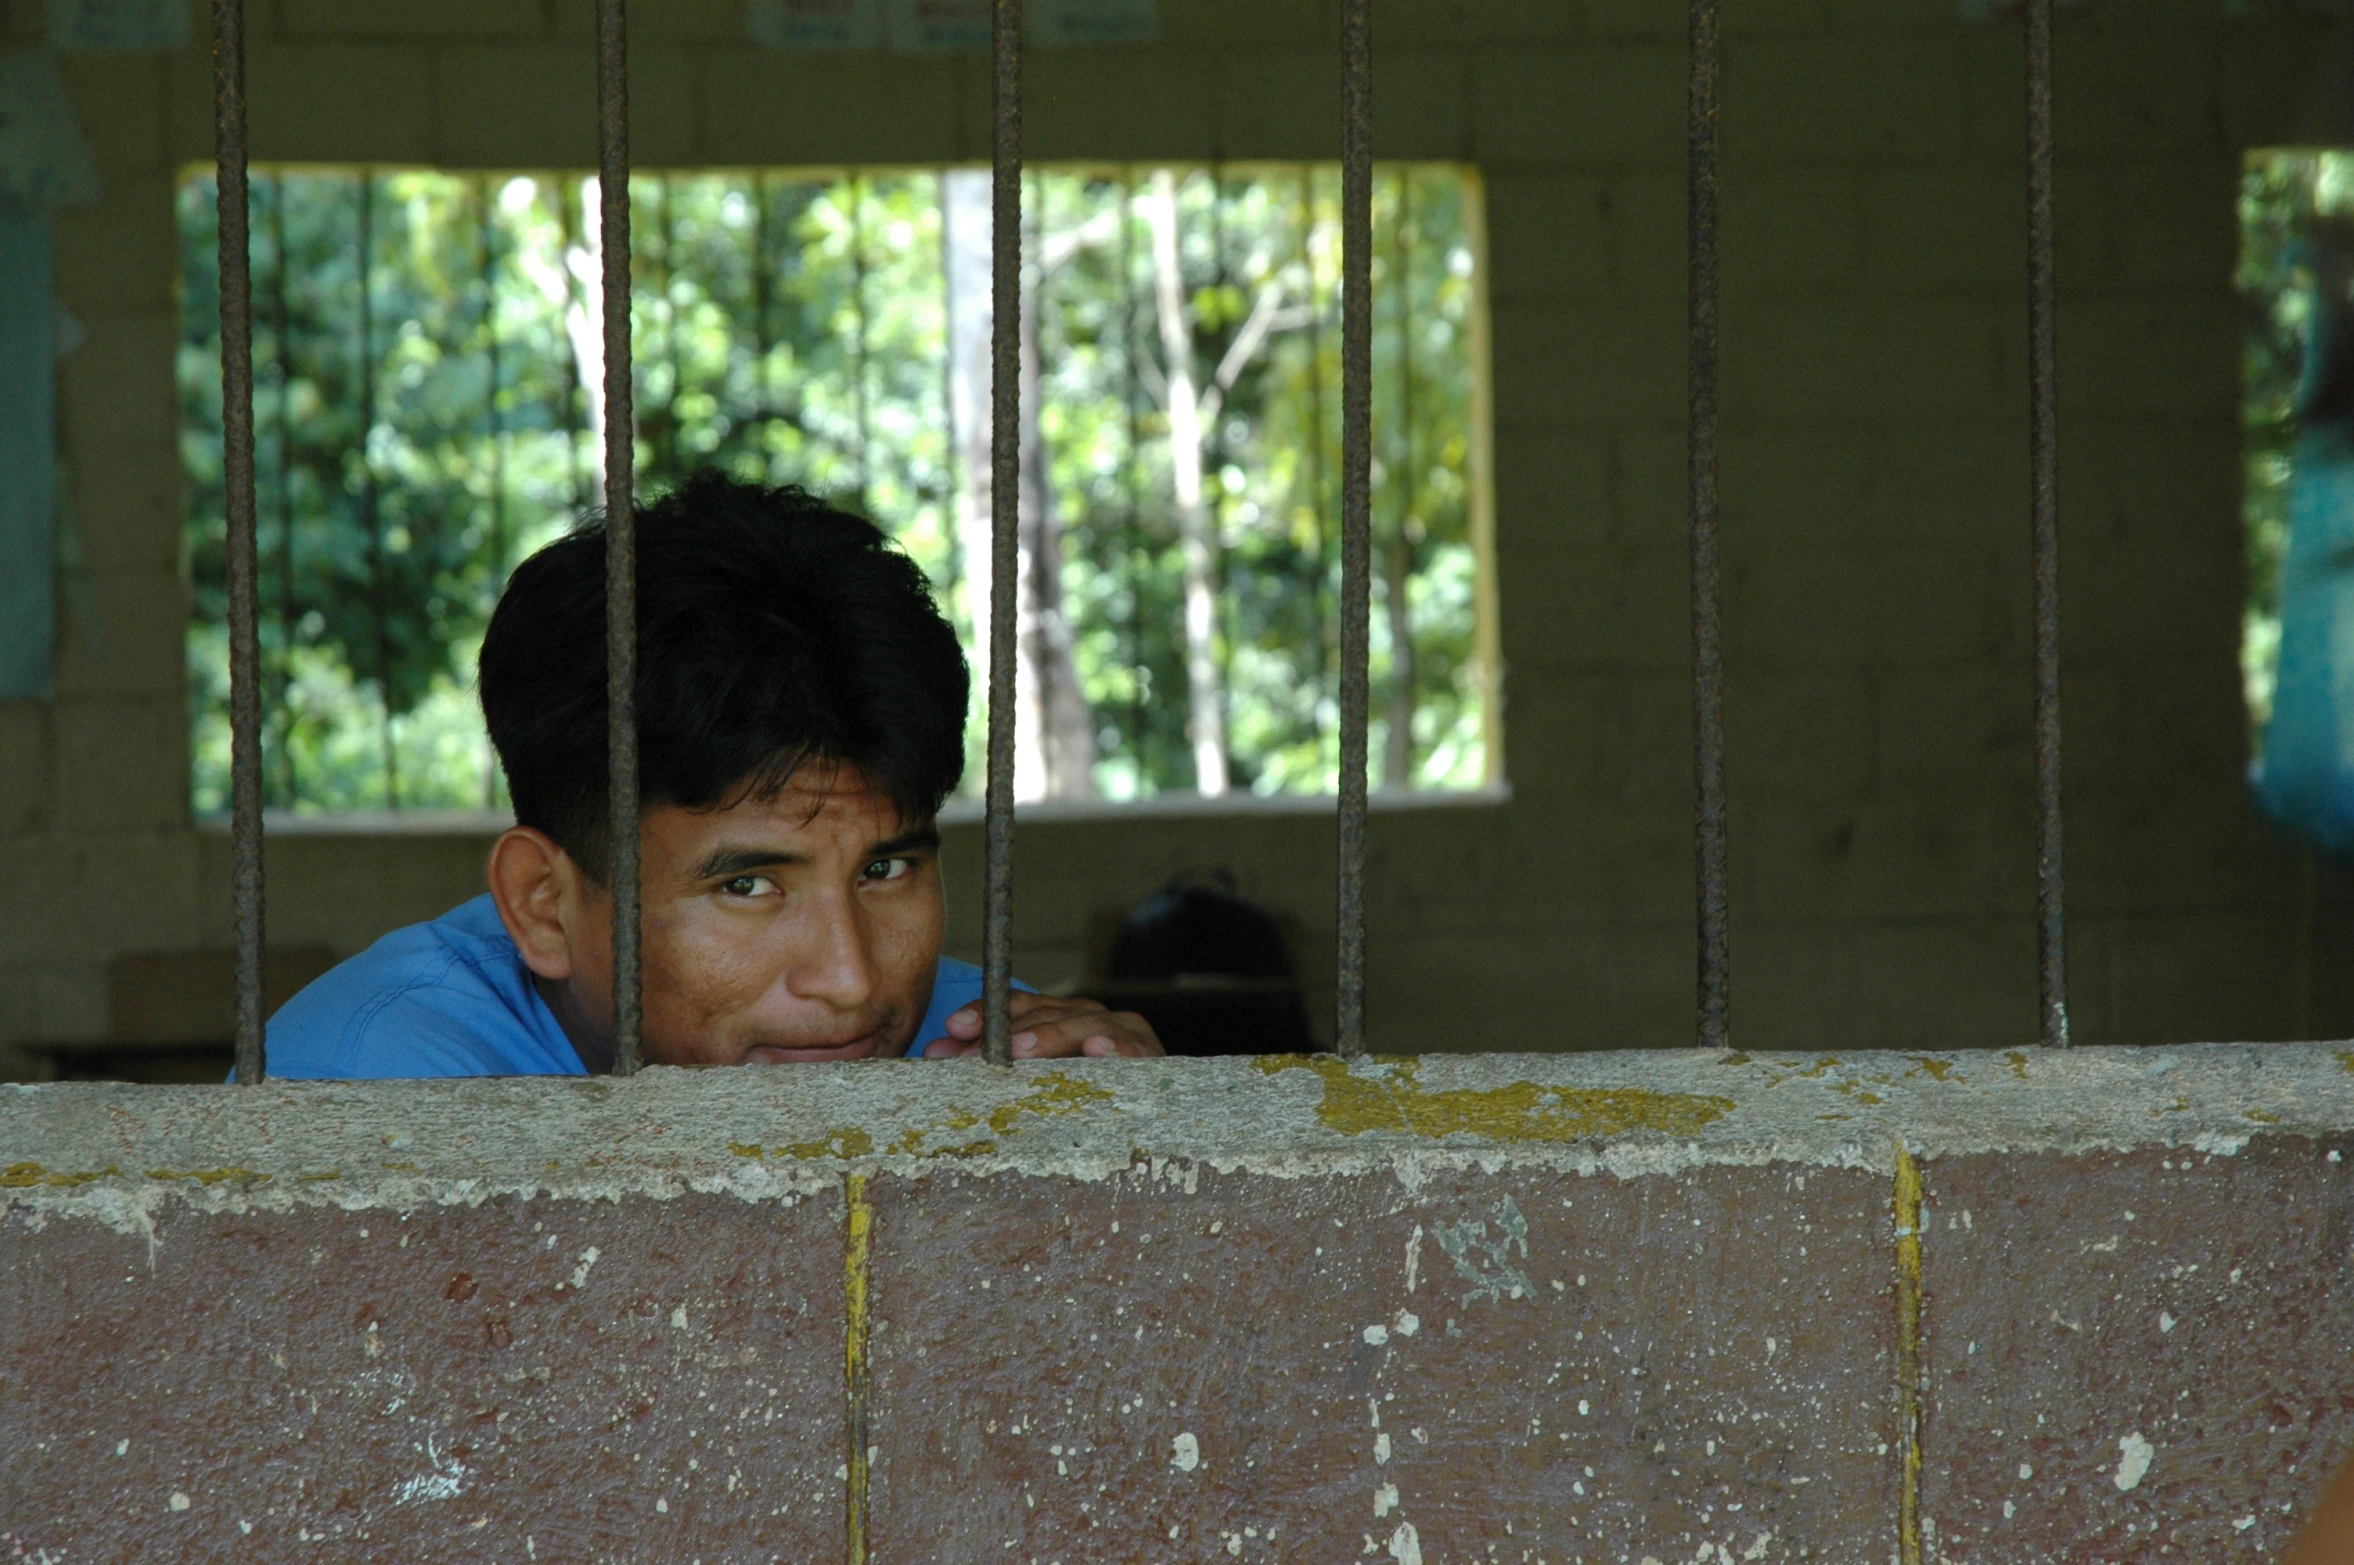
(1667, 1307)
(107, 1150)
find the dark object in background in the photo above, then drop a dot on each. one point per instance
(1214, 972)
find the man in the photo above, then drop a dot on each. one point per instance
(801, 707)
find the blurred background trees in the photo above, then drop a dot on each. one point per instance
(426, 363)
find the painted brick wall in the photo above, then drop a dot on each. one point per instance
(1679, 1307)
(1874, 496)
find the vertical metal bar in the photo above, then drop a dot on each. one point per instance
(1005, 475)
(237, 491)
(1708, 664)
(621, 531)
(1356, 506)
(2044, 519)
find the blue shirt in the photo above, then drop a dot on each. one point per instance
(453, 998)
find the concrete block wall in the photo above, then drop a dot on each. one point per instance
(1959, 1307)
(1874, 492)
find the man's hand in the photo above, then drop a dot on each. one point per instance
(1049, 1027)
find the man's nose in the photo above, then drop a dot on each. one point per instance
(835, 964)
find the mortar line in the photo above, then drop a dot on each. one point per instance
(1908, 1355)
(858, 1244)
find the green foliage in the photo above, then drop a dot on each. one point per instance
(415, 441)
(2289, 200)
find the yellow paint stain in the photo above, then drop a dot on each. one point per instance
(1908, 1352)
(21, 1176)
(1055, 1094)
(2263, 1118)
(1394, 1101)
(210, 1176)
(312, 1179)
(2018, 1063)
(1937, 1069)
(2346, 1060)
(845, 1141)
(857, 1254)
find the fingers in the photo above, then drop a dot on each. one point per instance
(1049, 1027)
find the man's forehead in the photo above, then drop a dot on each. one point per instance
(816, 799)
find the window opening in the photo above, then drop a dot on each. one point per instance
(797, 326)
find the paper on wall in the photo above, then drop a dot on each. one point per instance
(44, 162)
(1060, 23)
(933, 26)
(816, 24)
(109, 25)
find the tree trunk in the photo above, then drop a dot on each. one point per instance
(1206, 719)
(1054, 749)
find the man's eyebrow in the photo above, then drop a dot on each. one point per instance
(926, 836)
(729, 860)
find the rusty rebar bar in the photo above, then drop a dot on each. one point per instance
(2051, 883)
(237, 496)
(621, 532)
(1005, 477)
(1708, 656)
(1356, 506)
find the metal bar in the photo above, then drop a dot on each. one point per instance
(1356, 505)
(1708, 664)
(2044, 520)
(621, 531)
(237, 493)
(1005, 475)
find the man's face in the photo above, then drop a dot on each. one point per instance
(800, 927)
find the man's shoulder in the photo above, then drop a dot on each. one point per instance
(449, 997)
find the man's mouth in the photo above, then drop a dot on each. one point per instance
(857, 1048)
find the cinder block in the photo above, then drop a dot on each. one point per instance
(1248, 1364)
(1957, 225)
(1793, 229)
(1884, 607)
(122, 256)
(1854, 359)
(2138, 91)
(122, 633)
(122, 764)
(1616, 608)
(1567, 365)
(1955, 730)
(1666, 19)
(2164, 226)
(2100, 1330)
(1800, 733)
(760, 107)
(1864, 97)
(1286, 104)
(119, 383)
(2173, 356)
(1094, 105)
(1548, 238)
(534, 105)
(24, 766)
(1580, 106)
(669, 21)
(125, 510)
(1954, 983)
(559, 1379)
(418, 20)
(119, 101)
(336, 102)
(1244, 26)
(75, 909)
(1552, 492)
(1649, 237)
(1871, 864)
(2267, 78)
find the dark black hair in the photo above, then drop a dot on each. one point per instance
(774, 632)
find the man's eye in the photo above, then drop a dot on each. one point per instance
(889, 869)
(746, 886)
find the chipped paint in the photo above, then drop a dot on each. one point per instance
(1388, 1096)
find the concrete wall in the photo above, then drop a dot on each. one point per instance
(1874, 491)
(1978, 1309)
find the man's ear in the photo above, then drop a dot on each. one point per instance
(536, 886)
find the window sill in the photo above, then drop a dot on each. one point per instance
(957, 812)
